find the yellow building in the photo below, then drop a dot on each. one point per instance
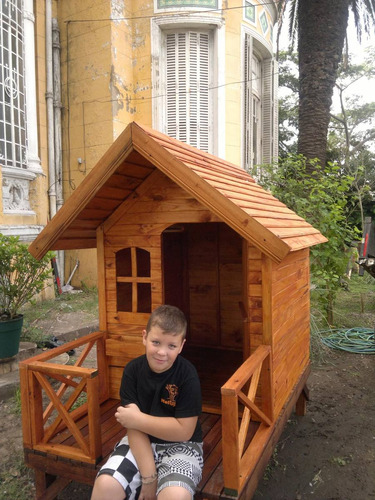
(75, 73)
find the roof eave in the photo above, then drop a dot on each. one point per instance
(106, 166)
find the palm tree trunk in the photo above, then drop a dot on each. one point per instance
(322, 27)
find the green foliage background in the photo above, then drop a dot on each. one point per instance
(321, 199)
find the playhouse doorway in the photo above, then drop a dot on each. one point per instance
(202, 275)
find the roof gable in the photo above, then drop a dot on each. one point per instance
(125, 171)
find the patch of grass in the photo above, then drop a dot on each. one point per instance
(15, 402)
(81, 400)
(355, 307)
(342, 461)
(16, 479)
(86, 300)
(273, 464)
(319, 351)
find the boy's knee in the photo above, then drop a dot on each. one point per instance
(107, 488)
(174, 493)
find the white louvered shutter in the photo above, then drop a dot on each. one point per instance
(248, 113)
(187, 80)
(269, 112)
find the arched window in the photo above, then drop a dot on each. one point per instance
(133, 280)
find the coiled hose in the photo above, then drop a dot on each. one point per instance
(356, 340)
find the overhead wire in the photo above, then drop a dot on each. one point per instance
(175, 13)
(153, 97)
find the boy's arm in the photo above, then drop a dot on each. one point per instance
(141, 448)
(166, 428)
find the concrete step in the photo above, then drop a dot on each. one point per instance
(26, 350)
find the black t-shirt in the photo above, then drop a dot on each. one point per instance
(173, 393)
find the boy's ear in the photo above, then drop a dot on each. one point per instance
(182, 345)
(144, 337)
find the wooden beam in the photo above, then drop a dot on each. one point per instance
(234, 385)
(122, 210)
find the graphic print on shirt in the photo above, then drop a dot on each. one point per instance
(172, 390)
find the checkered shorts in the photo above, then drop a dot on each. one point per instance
(177, 464)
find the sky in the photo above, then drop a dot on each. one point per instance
(363, 87)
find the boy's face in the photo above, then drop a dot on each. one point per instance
(162, 349)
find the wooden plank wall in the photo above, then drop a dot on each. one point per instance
(279, 316)
(215, 286)
(255, 299)
(160, 206)
(290, 313)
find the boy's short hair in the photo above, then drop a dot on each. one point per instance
(169, 319)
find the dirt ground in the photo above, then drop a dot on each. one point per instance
(329, 454)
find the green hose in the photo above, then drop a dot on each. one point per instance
(357, 340)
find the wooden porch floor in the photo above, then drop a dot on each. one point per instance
(210, 487)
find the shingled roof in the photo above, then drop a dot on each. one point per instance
(225, 189)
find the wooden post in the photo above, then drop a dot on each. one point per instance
(266, 383)
(101, 279)
(231, 455)
(301, 402)
(36, 408)
(95, 442)
(25, 406)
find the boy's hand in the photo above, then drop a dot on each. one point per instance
(148, 491)
(128, 415)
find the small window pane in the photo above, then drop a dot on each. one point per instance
(124, 297)
(143, 263)
(144, 297)
(124, 263)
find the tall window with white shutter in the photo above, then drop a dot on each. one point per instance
(188, 75)
(260, 118)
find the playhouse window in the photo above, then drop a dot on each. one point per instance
(133, 277)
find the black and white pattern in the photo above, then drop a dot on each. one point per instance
(177, 464)
(122, 466)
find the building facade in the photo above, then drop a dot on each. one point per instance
(75, 74)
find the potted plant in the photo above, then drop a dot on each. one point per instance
(21, 278)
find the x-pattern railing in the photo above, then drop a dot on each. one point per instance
(45, 428)
(256, 374)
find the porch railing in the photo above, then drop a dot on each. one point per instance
(253, 379)
(55, 396)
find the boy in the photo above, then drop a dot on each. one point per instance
(162, 455)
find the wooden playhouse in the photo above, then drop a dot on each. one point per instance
(172, 224)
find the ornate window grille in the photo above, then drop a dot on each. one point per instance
(12, 86)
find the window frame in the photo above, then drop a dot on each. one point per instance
(134, 279)
(161, 25)
(13, 88)
(189, 102)
(266, 142)
(186, 8)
